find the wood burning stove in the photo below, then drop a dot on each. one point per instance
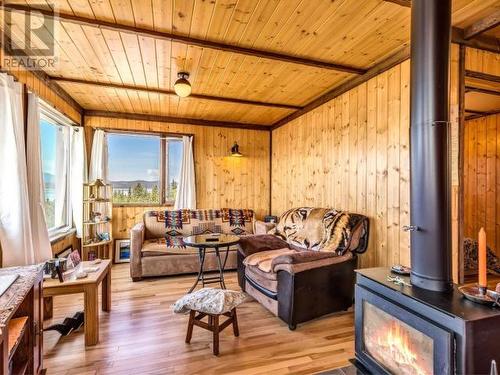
(394, 340)
(426, 328)
(409, 330)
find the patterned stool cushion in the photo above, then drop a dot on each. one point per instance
(209, 301)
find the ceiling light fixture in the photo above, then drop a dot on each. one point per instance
(182, 87)
(235, 150)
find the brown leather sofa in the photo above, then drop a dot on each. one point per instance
(304, 268)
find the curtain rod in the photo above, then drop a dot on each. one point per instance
(139, 132)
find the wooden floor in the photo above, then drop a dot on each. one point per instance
(141, 335)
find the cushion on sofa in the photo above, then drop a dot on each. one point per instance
(253, 244)
(263, 260)
(189, 222)
(168, 246)
(267, 280)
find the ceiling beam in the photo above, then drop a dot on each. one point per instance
(475, 112)
(277, 56)
(177, 120)
(483, 76)
(404, 3)
(479, 114)
(485, 43)
(481, 90)
(483, 25)
(172, 93)
(395, 59)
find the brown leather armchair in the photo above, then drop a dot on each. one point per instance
(304, 268)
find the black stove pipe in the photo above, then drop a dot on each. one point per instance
(430, 182)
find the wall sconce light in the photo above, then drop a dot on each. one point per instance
(235, 150)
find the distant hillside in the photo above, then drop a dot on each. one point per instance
(127, 184)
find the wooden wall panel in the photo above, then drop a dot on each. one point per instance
(221, 180)
(482, 179)
(352, 153)
(362, 137)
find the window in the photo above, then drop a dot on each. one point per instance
(144, 168)
(55, 154)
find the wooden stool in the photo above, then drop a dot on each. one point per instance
(212, 325)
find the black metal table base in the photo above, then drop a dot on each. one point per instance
(201, 273)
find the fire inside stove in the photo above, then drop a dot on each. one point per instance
(395, 345)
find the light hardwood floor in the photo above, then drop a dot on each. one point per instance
(141, 335)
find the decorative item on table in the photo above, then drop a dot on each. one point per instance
(91, 269)
(75, 258)
(65, 253)
(398, 280)
(91, 255)
(122, 251)
(49, 267)
(104, 236)
(81, 275)
(401, 270)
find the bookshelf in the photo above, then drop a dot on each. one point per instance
(97, 241)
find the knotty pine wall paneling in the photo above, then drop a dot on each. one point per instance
(221, 180)
(482, 179)
(481, 161)
(352, 153)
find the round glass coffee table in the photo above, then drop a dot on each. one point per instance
(211, 241)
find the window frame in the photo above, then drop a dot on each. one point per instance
(56, 118)
(163, 165)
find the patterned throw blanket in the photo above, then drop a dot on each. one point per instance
(319, 229)
(470, 258)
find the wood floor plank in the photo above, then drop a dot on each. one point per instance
(141, 335)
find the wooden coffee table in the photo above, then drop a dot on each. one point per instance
(89, 287)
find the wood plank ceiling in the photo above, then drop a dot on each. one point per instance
(352, 33)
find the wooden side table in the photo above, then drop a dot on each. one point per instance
(89, 287)
(216, 241)
(213, 325)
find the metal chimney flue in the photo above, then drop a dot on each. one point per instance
(430, 183)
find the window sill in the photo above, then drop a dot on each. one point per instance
(60, 234)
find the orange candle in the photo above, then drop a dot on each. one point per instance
(482, 258)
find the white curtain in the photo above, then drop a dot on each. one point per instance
(40, 235)
(186, 191)
(62, 144)
(99, 157)
(15, 228)
(78, 176)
